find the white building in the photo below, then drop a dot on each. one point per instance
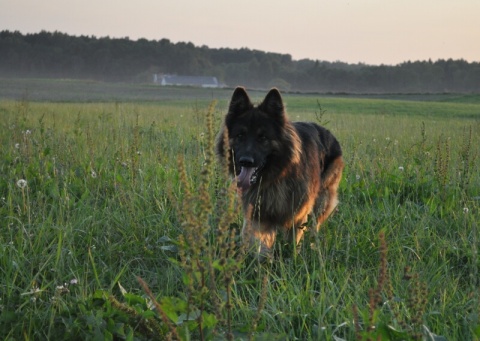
(198, 81)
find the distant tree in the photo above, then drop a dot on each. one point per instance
(55, 54)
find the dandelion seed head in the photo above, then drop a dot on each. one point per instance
(17, 145)
(22, 183)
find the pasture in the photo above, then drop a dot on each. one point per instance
(116, 221)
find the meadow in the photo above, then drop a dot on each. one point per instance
(118, 223)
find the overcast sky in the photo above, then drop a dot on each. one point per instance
(367, 31)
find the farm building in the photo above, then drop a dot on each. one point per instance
(174, 80)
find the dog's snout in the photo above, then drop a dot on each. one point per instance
(246, 161)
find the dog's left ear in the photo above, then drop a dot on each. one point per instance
(240, 102)
(273, 103)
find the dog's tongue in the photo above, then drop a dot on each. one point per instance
(243, 179)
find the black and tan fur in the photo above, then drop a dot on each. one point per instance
(285, 170)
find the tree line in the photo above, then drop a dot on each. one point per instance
(59, 55)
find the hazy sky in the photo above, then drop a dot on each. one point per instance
(368, 31)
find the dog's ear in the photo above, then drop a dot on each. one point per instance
(273, 103)
(240, 101)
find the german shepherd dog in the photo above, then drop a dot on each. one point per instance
(285, 171)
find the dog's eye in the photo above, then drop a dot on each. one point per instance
(240, 136)
(262, 138)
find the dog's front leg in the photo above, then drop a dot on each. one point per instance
(259, 237)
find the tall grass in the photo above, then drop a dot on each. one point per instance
(113, 192)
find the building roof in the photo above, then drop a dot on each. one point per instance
(188, 80)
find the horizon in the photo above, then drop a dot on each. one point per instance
(371, 32)
(199, 46)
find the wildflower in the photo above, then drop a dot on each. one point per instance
(202, 135)
(33, 291)
(94, 174)
(465, 210)
(357, 177)
(62, 289)
(401, 168)
(22, 183)
(74, 281)
(17, 145)
(28, 132)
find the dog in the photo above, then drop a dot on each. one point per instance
(285, 171)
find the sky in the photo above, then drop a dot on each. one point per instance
(373, 32)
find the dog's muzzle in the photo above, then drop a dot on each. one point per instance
(248, 173)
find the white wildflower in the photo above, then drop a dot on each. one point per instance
(94, 174)
(22, 183)
(465, 210)
(401, 168)
(62, 289)
(357, 177)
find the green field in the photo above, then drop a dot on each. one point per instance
(120, 184)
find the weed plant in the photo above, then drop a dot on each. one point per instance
(116, 222)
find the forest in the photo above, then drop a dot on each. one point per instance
(59, 55)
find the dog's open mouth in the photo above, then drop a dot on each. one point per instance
(247, 177)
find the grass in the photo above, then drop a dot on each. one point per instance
(127, 228)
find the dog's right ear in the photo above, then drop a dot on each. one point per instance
(240, 101)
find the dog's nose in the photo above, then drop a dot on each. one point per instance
(246, 161)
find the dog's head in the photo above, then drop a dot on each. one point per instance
(254, 135)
